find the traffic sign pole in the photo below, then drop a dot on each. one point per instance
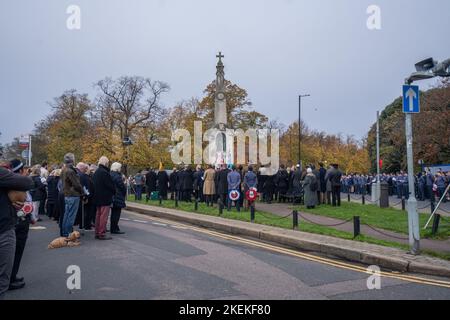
(413, 216)
(378, 186)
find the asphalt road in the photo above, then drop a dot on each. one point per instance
(156, 260)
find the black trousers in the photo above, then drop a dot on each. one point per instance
(22, 229)
(42, 206)
(336, 196)
(50, 209)
(224, 199)
(209, 199)
(115, 218)
(269, 196)
(90, 211)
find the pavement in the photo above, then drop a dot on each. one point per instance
(283, 209)
(162, 259)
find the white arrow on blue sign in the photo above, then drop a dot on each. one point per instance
(411, 99)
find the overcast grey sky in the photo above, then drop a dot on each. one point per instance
(275, 49)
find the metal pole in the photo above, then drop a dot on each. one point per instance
(413, 216)
(299, 131)
(378, 158)
(356, 226)
(29, 150)
(295, 220)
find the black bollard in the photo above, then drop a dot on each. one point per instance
(437, 218)
(160, 200)
(196, 204)
(356, 227)
(176, 200)
(295, 220)
(403, 204)
(220, 207)
(363, 199)
(348, 196)
(252, 213)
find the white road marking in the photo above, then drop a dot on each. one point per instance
(159, 224)
(140, 221)
(38, 228)
(179, 227)
(125, 219)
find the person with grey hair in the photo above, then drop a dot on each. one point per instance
(310, 185)
(72, 191)
(38, 193)
(103, 197)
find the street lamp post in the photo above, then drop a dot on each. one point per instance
(300, 129)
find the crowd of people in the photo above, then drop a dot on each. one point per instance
(312, 185)
(213, 184)
(427, 186)
(80, 195)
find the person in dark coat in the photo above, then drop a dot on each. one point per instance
(198, 183)
(21, 230)
(150, 182)
(8, 219)
(335, 175)
(322, 184)
(179, 184)
(173, 183)
(290, 181)
(162, 182)
(282, 183)
(52, 192)
(119, 197)
(262, 176)
(82, 170)
(222, 184)
(91, 208)
(269, 188)
(187, 183)
(317, 174)
(242, 173)
(297, 183)
(103, 197)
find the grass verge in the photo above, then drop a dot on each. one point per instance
(384, 218)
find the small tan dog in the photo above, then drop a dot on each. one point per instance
(72, 240)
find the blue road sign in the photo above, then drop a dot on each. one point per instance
(411, 99)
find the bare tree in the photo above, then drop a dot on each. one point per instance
(128, 103)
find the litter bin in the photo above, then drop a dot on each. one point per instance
(384, 195)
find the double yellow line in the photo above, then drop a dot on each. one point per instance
(306, 256)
